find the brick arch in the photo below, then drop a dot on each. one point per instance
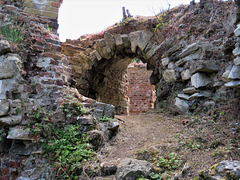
(99, 67)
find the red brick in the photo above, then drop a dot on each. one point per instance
(4, 178)
(46, 74)
(13, 164)
(58, 69)
(4, 172)
(57, 48)
(56, 5)
(59, 82)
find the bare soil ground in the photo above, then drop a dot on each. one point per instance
(152, 135)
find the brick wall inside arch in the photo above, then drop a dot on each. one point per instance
(141, 93)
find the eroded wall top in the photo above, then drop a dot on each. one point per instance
(46, 8)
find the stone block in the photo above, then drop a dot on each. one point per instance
(204, 66)
(237, 31)
(190, 90)
(97, 55)
(49, 14)
(19, 133)
(32, 11)
(9, 66)
(11, 120)
(183, 96)
(133, 169)
(234, 73)
(172, 50)
(171, 65)
(236, 51)
(182, 105)
(225, 76)
(229, 170)
(237, 61)
(110, 39)
(28, 4)
(195, 56)
(4, 47)
(233, 84)
(186, 75)
(119, 42)
(52, 9)
(4, 107)
(165, 61)
(103, 48)
(139, 39)
(189, 50)
(170, 76)
(152, 51)
(196, 96)
(126, 41)
(199, 80)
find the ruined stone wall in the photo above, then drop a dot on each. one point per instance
(31, 75)
(140, 92)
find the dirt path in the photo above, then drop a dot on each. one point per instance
(195, 140)
(138, 132)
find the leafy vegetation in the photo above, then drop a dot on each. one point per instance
(161, 22)
(106, 118)
(69, 149)
(13, 33)
(63, 143)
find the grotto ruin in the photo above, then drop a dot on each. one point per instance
(194, 63)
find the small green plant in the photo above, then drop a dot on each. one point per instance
(125, 20)
(106, 118)
(169, 163)
(63, 143)
(155, 176)
(69, 149)
(49, 29)
(136, 60)
(161, 21)
(13, 33)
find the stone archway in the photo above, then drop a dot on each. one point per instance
(100, 67)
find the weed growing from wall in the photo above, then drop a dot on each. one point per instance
(62, 142)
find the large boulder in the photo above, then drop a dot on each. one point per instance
(132, 169)
(228, 170)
